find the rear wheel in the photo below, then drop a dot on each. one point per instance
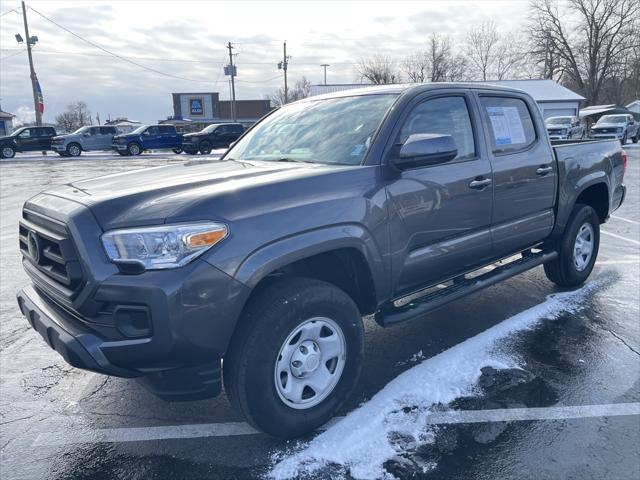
(636, 137)
(296, 356)
(7, 151)
(74, 150)
(577, 250)
(134, 149)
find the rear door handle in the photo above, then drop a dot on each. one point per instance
(544, 169)
(479, 183)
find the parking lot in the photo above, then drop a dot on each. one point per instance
(519, 381)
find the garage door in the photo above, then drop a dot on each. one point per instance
(558, 112)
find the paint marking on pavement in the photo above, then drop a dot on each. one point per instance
(524, 414)
(631, 240)
(625, 219)
(142, 434)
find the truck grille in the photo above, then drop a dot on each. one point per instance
(49, 255)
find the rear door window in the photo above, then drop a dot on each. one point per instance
(153, 130)
(509, 123)
(167, 129)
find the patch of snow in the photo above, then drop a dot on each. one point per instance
(360, 443)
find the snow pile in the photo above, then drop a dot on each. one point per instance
(360, 443)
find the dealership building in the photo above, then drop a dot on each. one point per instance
(194, 111)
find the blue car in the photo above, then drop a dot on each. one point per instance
(148, 137)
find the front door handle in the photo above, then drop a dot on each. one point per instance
(544, 169)
(479, 183)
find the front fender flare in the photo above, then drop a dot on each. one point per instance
(287, 250)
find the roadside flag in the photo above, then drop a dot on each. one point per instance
(40, 97)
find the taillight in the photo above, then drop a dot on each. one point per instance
(625, 158)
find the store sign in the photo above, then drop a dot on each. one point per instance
(196, 106)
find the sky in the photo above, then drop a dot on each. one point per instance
(187, 39)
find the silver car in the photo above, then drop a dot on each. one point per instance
(564, 128)
(621, 126)
(84, 139)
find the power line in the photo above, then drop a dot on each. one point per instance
(12, 55)
(17, 10)
(124, 59)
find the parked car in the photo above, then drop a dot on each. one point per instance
(27, 139)
(148, 137)
(620, 126)
(219, 135)
(564, 128)
(329, 209)
(85, 139)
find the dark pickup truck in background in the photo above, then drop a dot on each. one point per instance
(214, 136)
(27, 139)
(329, 209)
(148, 137)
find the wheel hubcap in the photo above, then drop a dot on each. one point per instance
(74, 150)
(7, 152)
(583, 247)
(134, 149)
(310, 363)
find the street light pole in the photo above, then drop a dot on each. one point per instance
(232, 73)
(36, 103)
(325, 65)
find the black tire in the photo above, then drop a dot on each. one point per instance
(205, 147)
(637, 136)
(563, 270)
(7, 151)
(270, 317)
(63, 154)
(177, 150)
(134, 149)
(74, 150)
(623, 141)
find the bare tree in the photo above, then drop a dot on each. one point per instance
(300, 90)
(416, 67)
(590, 38)
(378, 69)
(482, 44)
(76, 116)
(437, 63)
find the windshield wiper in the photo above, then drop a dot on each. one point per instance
(288, 159)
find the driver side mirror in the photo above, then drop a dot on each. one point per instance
(423, 149)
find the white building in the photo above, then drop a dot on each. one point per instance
(554, 99)
(634, 106)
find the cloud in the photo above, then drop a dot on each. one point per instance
(24, 115)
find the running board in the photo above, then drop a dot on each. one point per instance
(461, 287)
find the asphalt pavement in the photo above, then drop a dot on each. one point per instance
(533, 383)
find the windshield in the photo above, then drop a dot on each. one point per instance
(559, 121)
(81, 130)
(209, 129)
(140, 129)
(18, 132)
(335, 130)
(612, 119)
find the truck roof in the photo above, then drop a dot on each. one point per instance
(414, 88)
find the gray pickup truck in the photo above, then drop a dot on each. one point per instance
(329, 209)
(85, 139)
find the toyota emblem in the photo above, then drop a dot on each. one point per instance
(33, 246)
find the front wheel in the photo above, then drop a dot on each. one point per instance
(134, 149)
(8, 151)
(296, 356)
(577, 249)
(637, 137)
(205, 147)
(74, 150)
(624, 139)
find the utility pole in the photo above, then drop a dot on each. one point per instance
(283, 66)
(231, 71)
(36, 102)
(325, 65)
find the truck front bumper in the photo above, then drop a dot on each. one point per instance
(607, 136)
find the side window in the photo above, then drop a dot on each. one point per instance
(153, 130)
(222, 130)
(107, 130)
(167, 129)
(509, 122)
(26, 134)
(447, 116)
(94, 130)
(237, 129)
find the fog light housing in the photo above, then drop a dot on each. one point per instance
(133, 321)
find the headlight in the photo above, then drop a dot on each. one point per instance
(167, 246)
(563, 132)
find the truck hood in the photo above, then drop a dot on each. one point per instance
(609, 125)
(150, 196)
(68, 136)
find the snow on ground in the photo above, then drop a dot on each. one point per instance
(360, 443)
